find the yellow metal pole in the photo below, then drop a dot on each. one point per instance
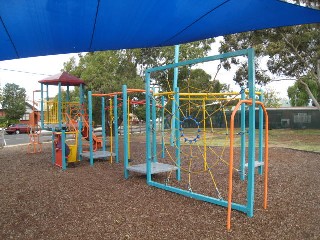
(204, 136)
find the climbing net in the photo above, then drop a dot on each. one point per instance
(202, 141)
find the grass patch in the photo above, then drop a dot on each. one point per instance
(304, 139)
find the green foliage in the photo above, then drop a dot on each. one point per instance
(106, 72)
(13, 102)
(298, 95)
(271, 98)
(293, 52)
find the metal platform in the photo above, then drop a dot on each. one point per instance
(256, 164)
(155, 168)
(98, 154)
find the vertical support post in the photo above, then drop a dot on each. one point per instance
(42, 110)
(63, 150)
(53, 160)
(261, 120)
(243, 136)
(103, 122)
(204, 136)
(175, 85)
(162, 128)
(148, 143)
(68, 94)
(111, 119)
(47, 100)
(59, 106)
(154, 129)
(125, 131)
(90, 127)
(116, 135)
(251, 150)
(80, 119)
(177, 133)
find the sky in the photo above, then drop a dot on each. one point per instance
(27, 72)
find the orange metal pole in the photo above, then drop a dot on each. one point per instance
(231, 160)
(266, 156)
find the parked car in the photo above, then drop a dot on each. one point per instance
(18, 128)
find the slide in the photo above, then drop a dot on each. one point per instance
(97, 140)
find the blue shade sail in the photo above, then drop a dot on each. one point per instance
(31, 28)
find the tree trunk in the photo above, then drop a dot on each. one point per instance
(310, 94)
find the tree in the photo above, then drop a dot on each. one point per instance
(271, 98)
(293, 52)
(13, 102)
(298, 95)
(106, 72)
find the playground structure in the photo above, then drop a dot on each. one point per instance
(68, 118)
(35, 144)
(59, 116)
(116, 100)
(201, 145)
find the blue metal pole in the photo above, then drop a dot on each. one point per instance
(90, 127)
(154, 127)
(59, 106)
(243, 136)
(148, 143)
(63, 149)
(260, 168)
(251, 150)
(42, 110)
(162, 128)
(103, 115)
(177, 133)
(175, 85)
(116, 135)
(125, 130)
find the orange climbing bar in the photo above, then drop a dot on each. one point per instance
(231, 160)
(266, 161)
(266, 155)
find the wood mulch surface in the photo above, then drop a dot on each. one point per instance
(40, 201)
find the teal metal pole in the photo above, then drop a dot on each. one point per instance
(125, 131)
(251, 150)
(261, 120)
(154, 127)
(53, 160)
(103, 115)
(116, 134)
(59, 106)
(80, 119)
(42, 110)
(68, 94)
(162, 128)
(90, 127)
(243, 136)
(175, 85)
(148, 143)
(63, 149)
(177, 133)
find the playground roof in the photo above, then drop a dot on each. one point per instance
(37, 28)
(65, 78)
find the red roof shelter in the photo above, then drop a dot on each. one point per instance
(64, 78)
